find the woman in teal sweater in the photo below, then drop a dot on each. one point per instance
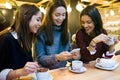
(53, 44)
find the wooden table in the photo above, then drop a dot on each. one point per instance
(92, 73)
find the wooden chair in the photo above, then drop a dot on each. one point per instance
(4, 31)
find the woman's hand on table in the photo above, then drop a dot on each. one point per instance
(30, 67)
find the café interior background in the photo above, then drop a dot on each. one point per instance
(109, 9)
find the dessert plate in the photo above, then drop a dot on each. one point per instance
(78, 71)
(107, 68)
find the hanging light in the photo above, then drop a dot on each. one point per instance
(79, 7)
(85, 0)
(42, 10)
(8, 5)
(69, 9)
(112, 13)
(106, 13)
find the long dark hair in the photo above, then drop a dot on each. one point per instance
(21, 25)
(94, 14)
(48, 23)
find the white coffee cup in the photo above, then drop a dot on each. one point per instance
(106, 62)
(77, 65)
(111, 41)
(43, 75)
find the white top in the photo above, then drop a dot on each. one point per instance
(4, 73)
(14, 34)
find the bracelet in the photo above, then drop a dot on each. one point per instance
(15, 74)
(90, 48)
(92, 43)
(56, 58)
(17, 77)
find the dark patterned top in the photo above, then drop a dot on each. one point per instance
(83, 40)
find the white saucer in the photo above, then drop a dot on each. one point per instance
(78, 71)
(107, 68)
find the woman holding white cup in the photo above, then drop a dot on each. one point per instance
(92, 38)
